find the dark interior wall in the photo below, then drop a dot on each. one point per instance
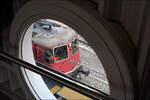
(4, 96)
(144, 43)
(129, 13)
(6, 14)
(18, 4)
(112, 9)
(132, 17)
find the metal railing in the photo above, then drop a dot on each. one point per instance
(59, 77)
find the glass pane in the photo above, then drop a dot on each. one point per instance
(74, 46)
(56, 45)
(61, 53)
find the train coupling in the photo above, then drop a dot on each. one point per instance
(83, 70)
(80, 73)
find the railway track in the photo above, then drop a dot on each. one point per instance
(96, 80)
(97, 77)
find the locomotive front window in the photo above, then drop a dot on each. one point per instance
(49, 56)
(61, 53)
(74, 46)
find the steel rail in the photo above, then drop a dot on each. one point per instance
(59, 77)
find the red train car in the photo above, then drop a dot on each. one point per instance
(58, 50)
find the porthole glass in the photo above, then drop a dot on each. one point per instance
(57, 46)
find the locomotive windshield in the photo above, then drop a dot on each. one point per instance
(49, 56)
(74, 46)
(61, 53)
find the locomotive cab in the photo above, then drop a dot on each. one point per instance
(57, 50)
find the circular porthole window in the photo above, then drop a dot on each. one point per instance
(62, 36)
(52, 44)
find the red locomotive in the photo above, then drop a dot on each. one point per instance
(58, 50)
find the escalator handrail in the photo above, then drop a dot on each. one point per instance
(59, 77)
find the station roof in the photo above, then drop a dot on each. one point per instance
(56, 36)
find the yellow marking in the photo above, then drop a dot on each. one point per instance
(55, 89)
(71, 95)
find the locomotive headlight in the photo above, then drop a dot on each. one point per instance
(70, 44)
